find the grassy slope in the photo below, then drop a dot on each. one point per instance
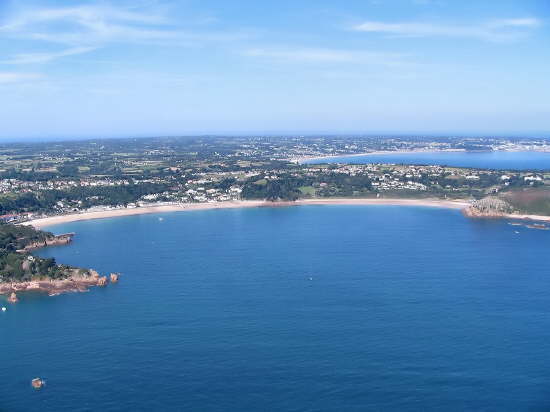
(534, 201)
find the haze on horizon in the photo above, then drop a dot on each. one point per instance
(158, 67)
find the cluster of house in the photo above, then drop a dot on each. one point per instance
(15, 217)
(21, 186)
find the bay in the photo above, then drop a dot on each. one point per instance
(499, 160)
(340, 308)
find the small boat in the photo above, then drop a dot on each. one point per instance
(3, 309)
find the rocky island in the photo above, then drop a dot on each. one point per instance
(20, 271)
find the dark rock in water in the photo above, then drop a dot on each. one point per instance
(37, 383)
(538, 226)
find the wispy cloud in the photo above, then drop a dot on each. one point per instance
(82, 24)
(33, 58)
(82, 29)
(322, 55)
(85, 15)
(11, 77)
(495, 30)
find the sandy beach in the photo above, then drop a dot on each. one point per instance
(55, 220)
(75, 217)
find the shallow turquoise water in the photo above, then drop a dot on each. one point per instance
(481, 160)
(340, 308)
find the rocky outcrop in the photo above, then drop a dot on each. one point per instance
(77, 282)
(94, 274)
(26, 265)
(37, 383)
(538, 226)
(489, 207)
(13, 298)
(114, 277)
(50, 241)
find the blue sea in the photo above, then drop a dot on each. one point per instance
(307, 308)
(482, 160)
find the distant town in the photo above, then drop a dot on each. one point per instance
(44, 179)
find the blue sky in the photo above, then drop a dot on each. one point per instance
(159, 67)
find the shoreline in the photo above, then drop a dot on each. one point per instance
(478, 215)
(459, 204)
(50, 287)
(304, 160)
(301, 160)
(41, 223)
(76, 282)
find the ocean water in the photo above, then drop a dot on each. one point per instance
(310, 308)
(482, 160)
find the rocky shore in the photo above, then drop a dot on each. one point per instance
(56, 240)
(495, 208)
(53, 287)
(487, 214)
(21, 272)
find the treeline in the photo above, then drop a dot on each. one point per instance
(289, 188)
(344, 185)
(272, 190)
(15, 237)
(17, 267)
(87, 195)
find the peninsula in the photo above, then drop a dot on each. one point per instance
(20, 271)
